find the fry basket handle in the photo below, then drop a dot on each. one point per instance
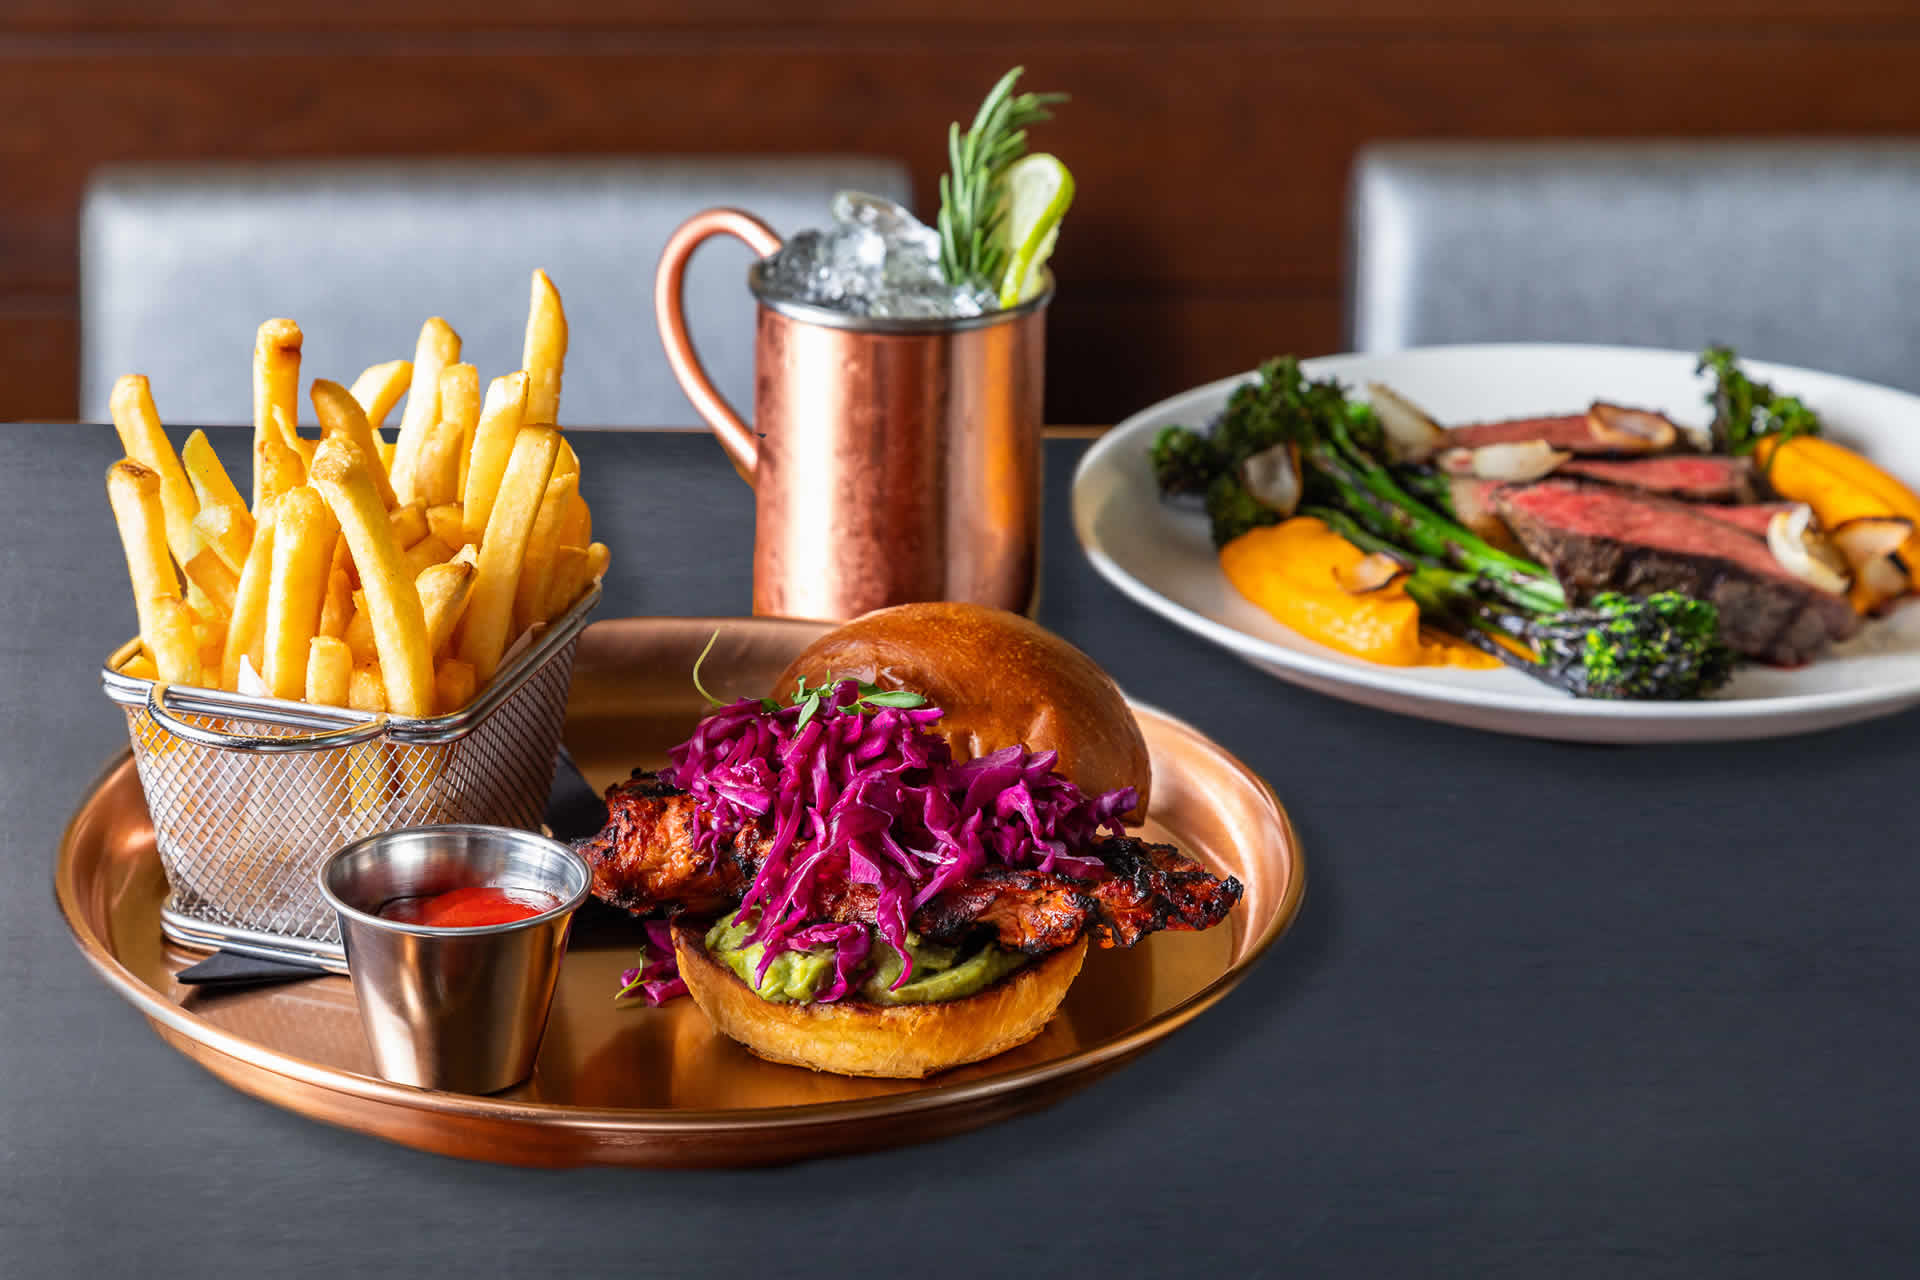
(345, 736)
(670, 310)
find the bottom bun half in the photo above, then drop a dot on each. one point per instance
(851, 1038)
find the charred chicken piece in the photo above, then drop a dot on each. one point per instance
(644, 858)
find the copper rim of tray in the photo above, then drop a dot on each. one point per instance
(199, 1037)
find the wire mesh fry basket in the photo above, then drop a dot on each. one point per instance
(248, 795)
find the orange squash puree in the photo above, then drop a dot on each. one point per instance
(1288, 570)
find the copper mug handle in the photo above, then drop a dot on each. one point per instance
(736, 437)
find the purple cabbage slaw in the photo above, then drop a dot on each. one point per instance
(657, 979)
(869, 795)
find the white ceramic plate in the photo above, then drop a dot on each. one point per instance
(1161, 556)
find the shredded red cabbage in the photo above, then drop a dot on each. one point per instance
(867, 794)
(658, 979)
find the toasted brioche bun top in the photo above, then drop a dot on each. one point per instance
(1000, 679)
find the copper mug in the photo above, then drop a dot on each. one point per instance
(892, 459)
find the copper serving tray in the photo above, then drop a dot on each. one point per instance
(638, 1086)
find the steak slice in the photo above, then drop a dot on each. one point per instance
(1691, 478)
(1751, 516)
(1596, 538)
(1568, 431)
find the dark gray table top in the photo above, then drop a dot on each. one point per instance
(1547, 1009)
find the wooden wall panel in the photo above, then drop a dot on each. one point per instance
(1211, 142)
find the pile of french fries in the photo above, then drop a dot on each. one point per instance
(361, 572)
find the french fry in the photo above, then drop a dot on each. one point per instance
(500, 421)
(175, 644)
(329, 671)
(454, 685)
(399, 626)
(368, 689)
(425, 553)
(217, 583)
(210, 638)
(448, 522)
(598, 557)
(227, 532)
(140, 667)
(212, 487)
(380, 387)
(545, 353)
(483, 633)
(276, 385)
(133, 491)
(577, 529)
(145, 441)
(444, 591)
(460, 405)
(409, 525)
(336, 611)
(359, 633)
(567, 579)
(439, 346)
(536, 568)
(304, 530)
(386, 455)
(302, 447)
(277, 471)
(246, 629)
(340, 414)
(436, 469)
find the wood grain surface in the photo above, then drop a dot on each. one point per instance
(1211, 141)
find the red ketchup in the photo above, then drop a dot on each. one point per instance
(469, 908)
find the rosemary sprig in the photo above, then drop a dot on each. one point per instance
(970, 204)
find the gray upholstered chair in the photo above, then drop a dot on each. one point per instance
(179, 265)
(1803, 252)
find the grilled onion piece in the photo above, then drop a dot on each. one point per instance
(1412, 434)
(1804, 551)
(1631, 430)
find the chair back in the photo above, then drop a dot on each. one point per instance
(1803, 252)
(180, 265)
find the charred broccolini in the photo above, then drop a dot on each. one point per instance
(1744, 411)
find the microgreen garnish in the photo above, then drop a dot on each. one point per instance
(702, 689)
(810, 700)
(870, 695)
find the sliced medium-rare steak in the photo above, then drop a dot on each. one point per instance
(1751, 516)
(1571, 432)
(1692, 478)
(1565, 431)
(1596, 538)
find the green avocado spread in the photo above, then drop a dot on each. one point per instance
(939, 972)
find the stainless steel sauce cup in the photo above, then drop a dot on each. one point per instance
(460, 1009)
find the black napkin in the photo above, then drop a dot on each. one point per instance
(574, 810)
(231, 969)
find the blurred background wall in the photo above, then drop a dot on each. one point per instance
(1211, 139)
